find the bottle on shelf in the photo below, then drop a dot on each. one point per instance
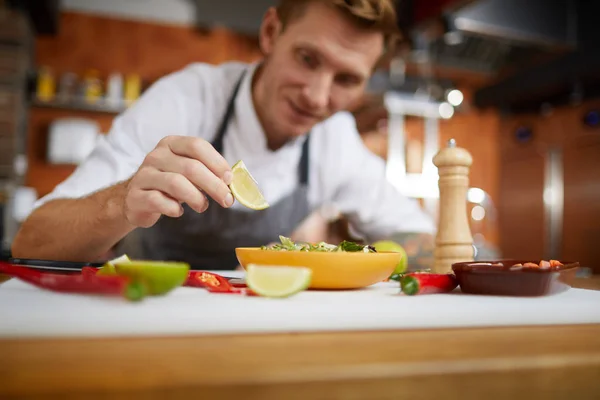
(133, 86)
(114, 90)
(46, 85)
(92, 86)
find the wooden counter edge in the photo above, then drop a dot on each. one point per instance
(513, 361)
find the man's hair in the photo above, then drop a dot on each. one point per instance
(377, 15)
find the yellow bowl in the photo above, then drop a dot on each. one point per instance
(336, 270)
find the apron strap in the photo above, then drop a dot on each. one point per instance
(303, 166)
(218, 142)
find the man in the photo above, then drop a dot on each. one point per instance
(156, 186)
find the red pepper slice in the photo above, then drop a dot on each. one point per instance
(89, 271)
(216, 284)
(426, 283)
(212, 282)
(84, 283)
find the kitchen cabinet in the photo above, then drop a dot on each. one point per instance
(581, 233)
(539, 218)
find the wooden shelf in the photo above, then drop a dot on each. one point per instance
(44, 177)
(99, 107)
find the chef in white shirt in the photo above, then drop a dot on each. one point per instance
(156, 186)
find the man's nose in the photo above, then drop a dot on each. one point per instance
(317, 91)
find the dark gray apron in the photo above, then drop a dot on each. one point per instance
(208, 240)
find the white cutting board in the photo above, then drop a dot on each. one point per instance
(26, 311)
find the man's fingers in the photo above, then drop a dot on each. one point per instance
(198, 174)
(175, 186)
(153, 202)
(204, 152)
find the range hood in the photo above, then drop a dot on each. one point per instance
(528, 52)
(568, 76)
(488, 36)
(532, 22)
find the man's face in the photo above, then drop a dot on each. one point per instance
(317, 66)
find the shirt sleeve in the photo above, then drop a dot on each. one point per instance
(118, 154)
(372, 205)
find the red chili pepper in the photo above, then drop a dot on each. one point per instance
(89, 271)
(426, 283)
(212, 282)
(216, 284)
(84, 283)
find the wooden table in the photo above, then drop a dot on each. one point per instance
(500, 363)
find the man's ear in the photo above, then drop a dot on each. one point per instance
(269, 31)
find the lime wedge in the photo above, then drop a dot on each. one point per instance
(109, 267)
(277, 281)
(159, 277)
(388, 245)
(123, 258)
(245, 189)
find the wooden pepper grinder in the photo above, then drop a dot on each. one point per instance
(454, 242)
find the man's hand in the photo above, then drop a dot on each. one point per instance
(179, 170)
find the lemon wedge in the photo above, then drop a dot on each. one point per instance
(245, 189)
(277, 281)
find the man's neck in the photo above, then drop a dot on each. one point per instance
(274, 140)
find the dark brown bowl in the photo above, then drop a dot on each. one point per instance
(475, 277)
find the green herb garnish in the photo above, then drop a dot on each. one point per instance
(288, 244)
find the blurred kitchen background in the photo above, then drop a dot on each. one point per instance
(517, 83)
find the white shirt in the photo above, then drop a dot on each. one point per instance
(342, 172)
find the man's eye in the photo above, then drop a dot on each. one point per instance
(347, 80)
(308, 60)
